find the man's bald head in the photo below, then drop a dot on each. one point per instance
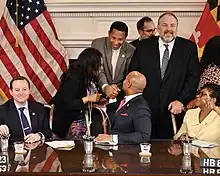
(136, 82)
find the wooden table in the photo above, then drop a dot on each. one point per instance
(123, 161)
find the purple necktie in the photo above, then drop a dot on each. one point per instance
(26, 126)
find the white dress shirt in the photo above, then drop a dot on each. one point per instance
(162, 49)
(130, 97)
(115, 54)
(26, 112)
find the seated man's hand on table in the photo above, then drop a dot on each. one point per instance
(31, 138)
(31, 146)
(4, 130)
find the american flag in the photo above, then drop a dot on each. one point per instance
(50, 164)
(29, 47)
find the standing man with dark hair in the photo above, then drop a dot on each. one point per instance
(146, 28)
(23, 118)
(117, 55)
(171, 65)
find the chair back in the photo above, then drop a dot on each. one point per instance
(100, 122)
(174, 123)
(51, 107)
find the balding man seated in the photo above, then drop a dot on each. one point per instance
(130, 118)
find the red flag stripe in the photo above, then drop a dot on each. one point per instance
(4, 57)
(48, 45)
(21, 62)
(4, 87)
(49, 162)
(48, 57)
(39, 59)
(32, 61)
(49, 20)
(47, 29)
(40, 56)
(7, 76)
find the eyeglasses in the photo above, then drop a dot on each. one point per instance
(149, 30)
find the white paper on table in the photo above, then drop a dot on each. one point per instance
(107, 147)
(61, 144)
(204, 144)
(106, 143)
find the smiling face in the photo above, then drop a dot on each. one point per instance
(167, 28)
(117, 38)
(20, 91)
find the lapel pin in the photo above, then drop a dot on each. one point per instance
(128, 105)
(123, 55)
(33, 113)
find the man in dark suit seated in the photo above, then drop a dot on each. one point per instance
(146, 28)
(130, 118)
(23, 118)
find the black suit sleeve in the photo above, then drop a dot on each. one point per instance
(191, 83)
(69, 95)
(135, 61)
(45, 125)
(142, 128)
(2, 112)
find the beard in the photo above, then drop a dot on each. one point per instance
(168, 39)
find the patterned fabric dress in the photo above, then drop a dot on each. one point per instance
(210, 75)
(78, 127)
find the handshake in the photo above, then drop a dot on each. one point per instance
(111, 90)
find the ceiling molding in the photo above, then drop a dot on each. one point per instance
(123, 6)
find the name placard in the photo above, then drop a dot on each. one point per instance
(209, 171)
(3, 163)
(210, 162)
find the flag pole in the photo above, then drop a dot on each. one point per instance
(16, 26)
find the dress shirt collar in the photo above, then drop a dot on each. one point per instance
(116, 51)
(162, 43)
(19, 106)
(129, 97)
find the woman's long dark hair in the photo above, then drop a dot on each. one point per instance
(211, 53)
(87, 65)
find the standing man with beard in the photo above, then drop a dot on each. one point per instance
(171, 65)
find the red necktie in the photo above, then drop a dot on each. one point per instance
(121, 104)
